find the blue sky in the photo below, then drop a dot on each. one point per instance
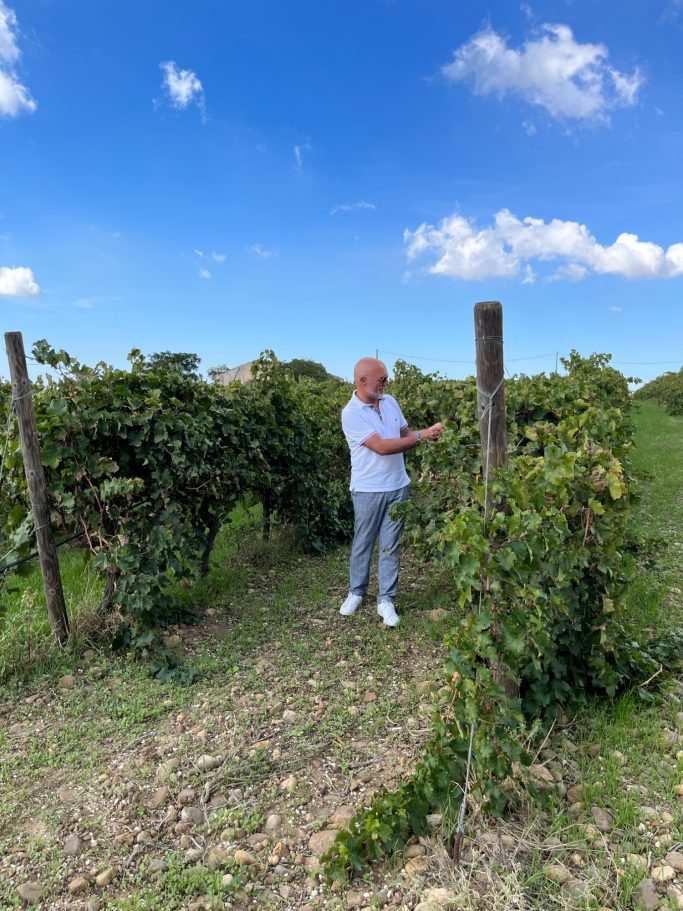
(330, 177)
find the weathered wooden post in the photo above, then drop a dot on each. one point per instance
(488, 334)
(35, 477)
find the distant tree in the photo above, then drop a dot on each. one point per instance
(302, 367)
(213, 372)
(178, 361)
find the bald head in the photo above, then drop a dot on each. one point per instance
(369, 377)
(368, 366)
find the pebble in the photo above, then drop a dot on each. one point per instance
(167, 769)
(207, 763)
(73, 845)
(557, 873)
(216, 858)
(663, 873)
(675, 859)
(78, 884)
(273, 822)
(105, 877)
(320, 842)
(541, 773)
(675, 894)
(192, 815)
(67, 682)
(185, 796)
(442, 897)
(645, 895)
(415, 851)
(159, 797)
(245, 857)
(355, 899)
(416, 866)
(289, 716)
(29, 892)
(603, 819)
(574, 793)
(289, 784)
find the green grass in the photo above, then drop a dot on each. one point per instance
(270, 639)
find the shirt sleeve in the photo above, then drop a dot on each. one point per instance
(357, 428)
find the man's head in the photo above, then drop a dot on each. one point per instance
(370, 377)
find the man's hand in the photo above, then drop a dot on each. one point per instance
(432, 433)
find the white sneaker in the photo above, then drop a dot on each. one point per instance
(386, 611)
(351, 605)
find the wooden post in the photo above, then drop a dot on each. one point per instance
(35, 477)
(488, 333)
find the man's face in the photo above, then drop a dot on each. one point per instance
(375, 381)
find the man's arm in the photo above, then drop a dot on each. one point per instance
(409, 439)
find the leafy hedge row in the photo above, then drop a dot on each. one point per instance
(542, 583)
(149, 462)
(666, 390)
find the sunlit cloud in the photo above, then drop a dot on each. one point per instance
(458, 248)
(15, 98)
(17, 281)
(570, 80)
(182, 86)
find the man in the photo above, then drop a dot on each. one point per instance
(378, 435)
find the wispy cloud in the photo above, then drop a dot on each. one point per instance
(182, 86)
(298, 155)
(17, 282)
(570, 80)
(459, 249)
(616, 309)
(15, 98)
(262, 252)
(205, 273)
(213, 256)
(350, 207)
(673, 12)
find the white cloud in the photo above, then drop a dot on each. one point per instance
(183, 86)
(9, 50)
(260, 251)
(298, 155)
(616, 309)
(18, 282)
(14, 97)
(215, 257)
(204, 273)
(507, 248)
(350, 207)
(570, 80)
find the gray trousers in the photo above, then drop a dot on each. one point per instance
(372, 522)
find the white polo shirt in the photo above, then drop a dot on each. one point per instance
(370, 472)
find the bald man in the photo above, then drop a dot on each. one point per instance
(378, 435)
